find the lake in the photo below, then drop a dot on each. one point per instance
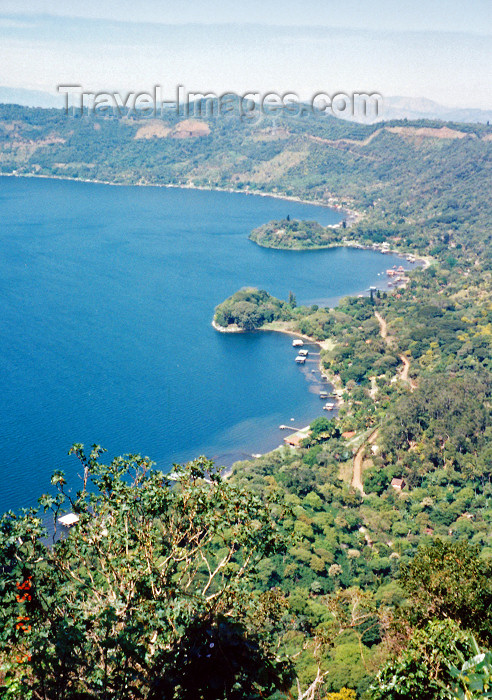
(107, 297)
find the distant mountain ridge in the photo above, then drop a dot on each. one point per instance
(30, 98)
(423, 108)
(397, 107)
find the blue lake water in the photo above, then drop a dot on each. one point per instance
(107, 294)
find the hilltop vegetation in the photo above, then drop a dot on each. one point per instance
(205, 588)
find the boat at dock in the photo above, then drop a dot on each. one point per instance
(328, 406)
(303, 353)
(300, 359)
(297, 343)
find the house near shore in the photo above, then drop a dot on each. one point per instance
(398, 484)
(295, 439)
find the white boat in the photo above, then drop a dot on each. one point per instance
(297, 343)
(300, 359)
(303, 353)
(328, 406)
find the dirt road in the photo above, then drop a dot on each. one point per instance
(358, 459)
(383, 327)
(383, 330)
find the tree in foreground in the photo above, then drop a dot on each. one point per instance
(149, 595)
(439, 641)
(449, 580)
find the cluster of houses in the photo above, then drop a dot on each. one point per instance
(398, 278)
(395, 271)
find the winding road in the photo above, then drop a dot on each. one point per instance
(383, 330)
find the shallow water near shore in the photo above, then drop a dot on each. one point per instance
(107, 298)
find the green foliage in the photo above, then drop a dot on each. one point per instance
(376, 480)
(450, 580)
(422, 668)
(311, 456)
(292, 300)
(250, 308)
(149, 594)
(323, 428)
(448, 416)
(473, 679)
(449, 591)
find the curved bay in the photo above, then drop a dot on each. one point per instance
(107, 297)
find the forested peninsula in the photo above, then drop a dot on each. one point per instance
(356, 565)
(296, 235)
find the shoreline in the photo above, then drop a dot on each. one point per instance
(322, 344)
(353, 244)
(334, 380)
(352, 216)
(325, 374)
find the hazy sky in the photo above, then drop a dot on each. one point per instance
(439, 49)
